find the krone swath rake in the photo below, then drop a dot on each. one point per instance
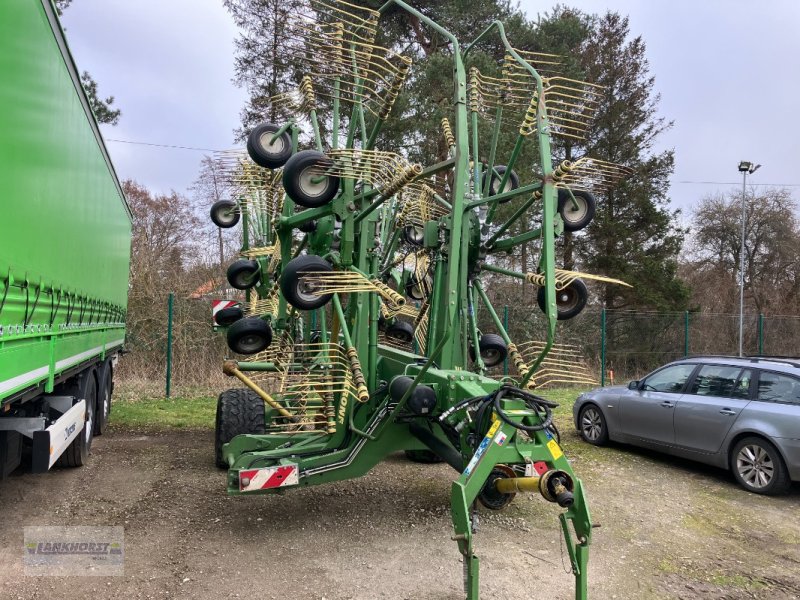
(363, 273)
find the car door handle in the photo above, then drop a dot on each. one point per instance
(727, 411)
(667, 404)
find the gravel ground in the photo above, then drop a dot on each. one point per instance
(669, 529)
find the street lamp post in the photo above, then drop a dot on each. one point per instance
(745, 167)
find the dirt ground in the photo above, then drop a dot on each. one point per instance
(669, 529)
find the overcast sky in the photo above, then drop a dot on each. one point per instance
(727, 72)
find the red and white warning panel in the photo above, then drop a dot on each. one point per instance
(218, 305)
(251, 480)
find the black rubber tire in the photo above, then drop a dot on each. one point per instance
(570, 301)
(497, 177)
(225, 213)
(576, 220)
(296, 179)
(262, 153)
(594, 414)
(238, 411)
(105, 386)
(83, 386)
(493, 350)
(228, 316)
(423, 456)
(243, 274)
(780, 482)
(249, 336)
(414, 235)
(401, 331)
(298, 293)
(414, 289)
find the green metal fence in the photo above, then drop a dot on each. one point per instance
(620, 345)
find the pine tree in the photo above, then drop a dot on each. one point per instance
(100, 107)
(264, 65)
(635, 235)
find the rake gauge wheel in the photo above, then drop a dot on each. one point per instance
(249, 336)
(414, 235)
(401, 331)
(306, 181)
(225, 213)
(497, 176)
(415, 289)
(267, 152)
(493, 349)
(574, 218)
(228, 316)
(243, 274)
(300, 291)
(570, 300)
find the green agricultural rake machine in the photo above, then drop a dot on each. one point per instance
(363, 274)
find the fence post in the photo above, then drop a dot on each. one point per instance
(505, 326)
(685, 333)
(760, 334)
(169, 343)
(603, 347)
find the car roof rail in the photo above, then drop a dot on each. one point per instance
(789, 360)
(793, 361)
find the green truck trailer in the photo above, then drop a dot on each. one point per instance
(64, 249)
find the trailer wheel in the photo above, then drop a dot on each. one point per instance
(570, 301)
(576, 219)
(238, 411)
(82, 387)
(243, 274)
(225, 213)
(265, 152)
(497, 176)
(493, 349)
(305, 179)
(300, 291)
(401, 331)
(249, 336)
(228, 316)
(103, 404)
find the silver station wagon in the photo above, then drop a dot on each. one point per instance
(741, 414)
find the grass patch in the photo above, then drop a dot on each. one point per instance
(742, 582)
(163, 413)
(199, 412)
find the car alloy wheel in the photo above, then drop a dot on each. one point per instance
(591, 424)
(755, 466)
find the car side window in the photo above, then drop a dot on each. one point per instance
(671, 379)
(773, 387)
(742, 387)
(717, 380)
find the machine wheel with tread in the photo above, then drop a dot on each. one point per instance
(238, 411)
